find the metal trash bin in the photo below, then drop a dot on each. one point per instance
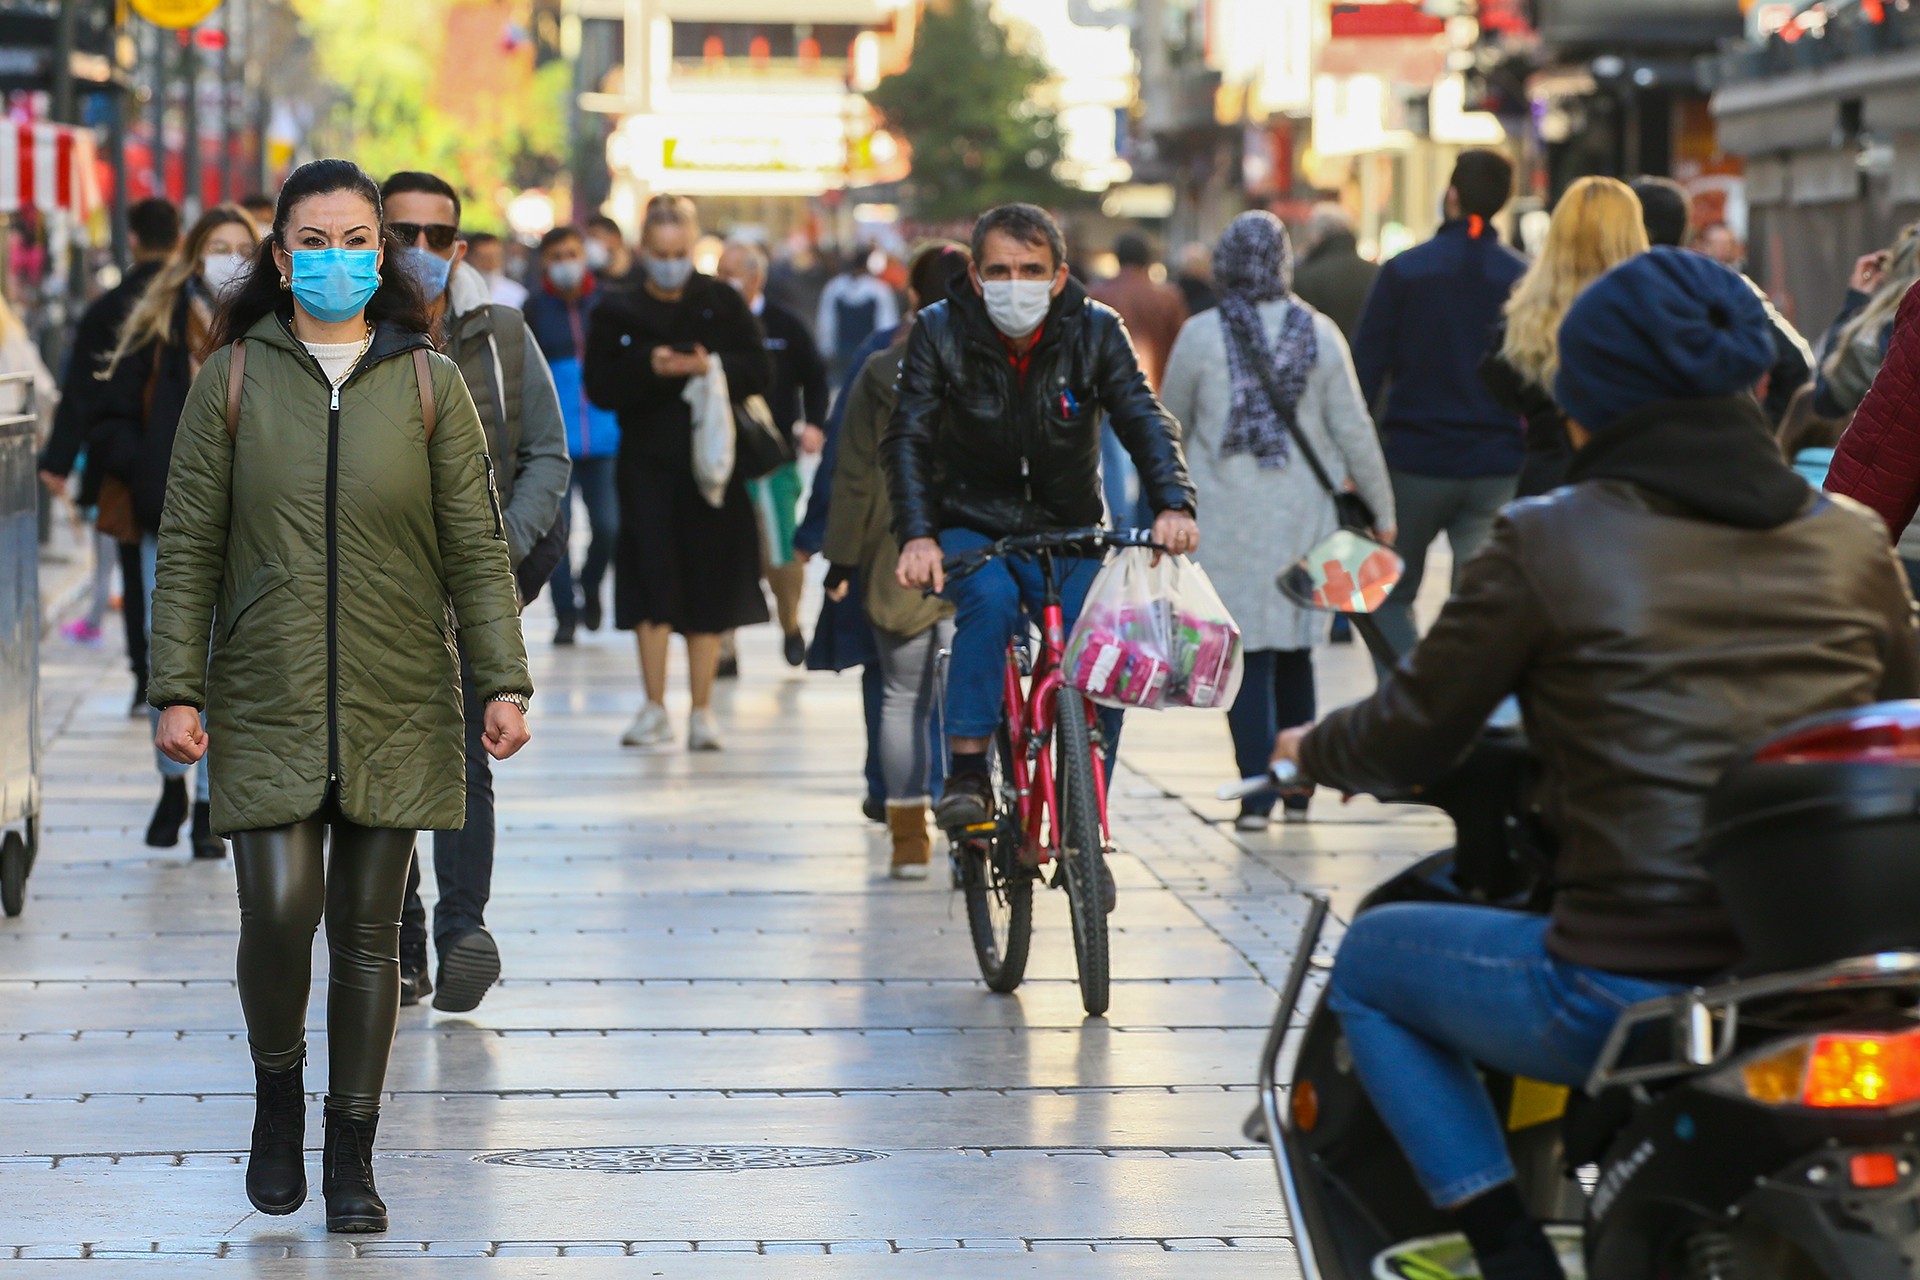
(19, 641)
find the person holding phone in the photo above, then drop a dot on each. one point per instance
(680, 564)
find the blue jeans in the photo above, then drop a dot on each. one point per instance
(1120, 480)
(462, 859)
(149, 558)
(1426, 991)
(990, 608)
(1277, 694)
(593, 481)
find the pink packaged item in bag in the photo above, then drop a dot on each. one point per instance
(1213, 647)
(1153, 636)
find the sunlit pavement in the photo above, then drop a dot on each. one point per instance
(723, 1034)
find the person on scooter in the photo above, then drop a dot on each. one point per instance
(1684, 597)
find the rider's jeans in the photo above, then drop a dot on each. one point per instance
(987, 615)
(1424, 991)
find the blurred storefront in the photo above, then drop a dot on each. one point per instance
(1823, 102)
(753, 107)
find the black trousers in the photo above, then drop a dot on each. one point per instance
(290, 879)
(133, 609)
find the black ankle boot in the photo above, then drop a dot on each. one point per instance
(276, 1170)
(346, 1176)
(1507, 1242)
(206, 845)
(164, 831)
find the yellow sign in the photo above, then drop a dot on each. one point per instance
(175, 13)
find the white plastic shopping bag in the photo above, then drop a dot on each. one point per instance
(713, 432)
(1154, 636)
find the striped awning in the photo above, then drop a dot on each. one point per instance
(48, 167)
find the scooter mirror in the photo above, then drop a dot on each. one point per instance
(1345, 572)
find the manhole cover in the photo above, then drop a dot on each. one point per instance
(679, 1158)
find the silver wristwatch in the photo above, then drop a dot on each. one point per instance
(519, 700)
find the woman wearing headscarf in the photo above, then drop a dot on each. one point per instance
(1265, 508)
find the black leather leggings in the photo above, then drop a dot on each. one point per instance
(286, 886)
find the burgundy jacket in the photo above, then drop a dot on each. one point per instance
(1878, 460)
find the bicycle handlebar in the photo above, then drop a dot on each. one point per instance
(1094, 539)
(1283, 773)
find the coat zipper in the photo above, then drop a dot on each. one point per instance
(333, 586)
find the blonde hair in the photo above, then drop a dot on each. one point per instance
(1595, 227)
(11, 326)
(1903, 268)
(665, 210)
(151, 320)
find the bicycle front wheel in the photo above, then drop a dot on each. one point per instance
(998, 886)
(1082, 849)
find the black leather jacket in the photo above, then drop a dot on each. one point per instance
(973, 445)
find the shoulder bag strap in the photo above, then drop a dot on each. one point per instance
(423, 374)
(236, 386)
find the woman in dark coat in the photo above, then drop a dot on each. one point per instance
(139, 405)
(680, 564)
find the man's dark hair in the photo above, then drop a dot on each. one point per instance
(934, 267)
(480, 239)
(601, 222)
(1665, 209)
(155, 224)
(1484, 182)
(556, 237)
(412, 180)
(1133, 249)
(857, 259)
(1027, 223)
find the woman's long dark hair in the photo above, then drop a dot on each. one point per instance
(398, 301)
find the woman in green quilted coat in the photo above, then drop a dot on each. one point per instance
(330, 527)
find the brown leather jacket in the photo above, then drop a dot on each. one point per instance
(1649, 646)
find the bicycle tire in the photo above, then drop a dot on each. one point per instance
(1082, 850)
(998, 888)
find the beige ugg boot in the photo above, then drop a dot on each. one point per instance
(912, 845)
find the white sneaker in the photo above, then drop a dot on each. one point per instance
(908, 871)
(1252, 822)
(650, 728)
(703, 732)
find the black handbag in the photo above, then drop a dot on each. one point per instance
(760, 446)
(531, 574)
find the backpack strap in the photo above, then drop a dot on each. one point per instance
(423, 374)
(236, 386)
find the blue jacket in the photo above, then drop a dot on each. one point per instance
(1428, 322)
(560, 327)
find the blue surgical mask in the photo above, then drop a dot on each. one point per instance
(335, 284)
(428, 269)
(669, 275)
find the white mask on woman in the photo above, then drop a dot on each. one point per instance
(221, 270)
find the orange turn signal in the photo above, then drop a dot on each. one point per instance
(1863, 1071)
(1306, 1106)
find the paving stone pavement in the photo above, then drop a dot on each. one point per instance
(723, 1035)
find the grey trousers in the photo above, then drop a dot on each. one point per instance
(910, 696)
(1428, 506)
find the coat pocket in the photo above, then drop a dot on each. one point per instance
(262, 582)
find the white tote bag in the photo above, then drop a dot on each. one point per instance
(713, 433)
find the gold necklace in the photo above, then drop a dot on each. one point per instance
(358, 356)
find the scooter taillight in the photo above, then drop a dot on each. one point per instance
(1888, 733)
(1835, 1070)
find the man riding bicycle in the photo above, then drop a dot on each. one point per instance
(997, 432)
(1684, 597)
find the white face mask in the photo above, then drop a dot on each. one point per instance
(597, 256)
(220, 270)
(1017, 307)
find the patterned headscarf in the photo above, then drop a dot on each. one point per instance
(1252, 264)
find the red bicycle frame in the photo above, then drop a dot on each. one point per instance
(1030, 725)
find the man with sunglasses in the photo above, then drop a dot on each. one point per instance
(513, 389)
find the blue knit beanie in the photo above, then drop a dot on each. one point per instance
(1666, 325)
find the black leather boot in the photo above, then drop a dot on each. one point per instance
(206, 845)
(276, 1170)
(346, 1176)
(164, 831)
